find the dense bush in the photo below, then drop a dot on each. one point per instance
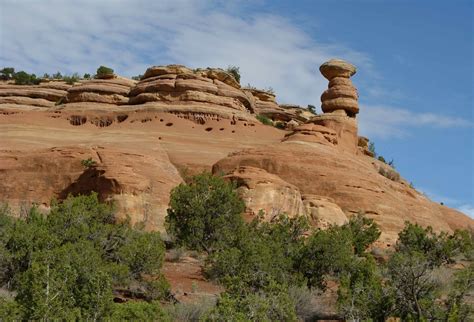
(104, 71)
(204, 212)
(71, 79)
(7, 73)
(264, 120)
(312, 109)
(235, 72)
(65, 265)
(23, 78)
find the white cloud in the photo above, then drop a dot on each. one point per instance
(467, 209)
(129, 36)
(385, 121)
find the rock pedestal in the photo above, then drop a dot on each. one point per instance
(341, 96)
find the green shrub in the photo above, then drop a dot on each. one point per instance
(203, 212)
(71, 79)
(190, 311)
(312, 109)
(88, 163)
(372, 148)
(364, 232)
(264, 119)
(67, 264)
(280, 125)
(7, 73)
(235, 72)
(262, 252)
(273, 304)
(87, 76)
(57, 75)
(138, 311)
(23, 78)
(104, 71)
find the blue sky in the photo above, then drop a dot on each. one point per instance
(415, 61)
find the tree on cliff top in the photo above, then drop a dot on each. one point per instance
(104, 71)
(234, 71)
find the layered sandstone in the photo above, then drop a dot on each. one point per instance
(44, 95)
(341, 96)
(178, 118)
(111, 90)
(195, 94)
(139, 184)
(335, 173)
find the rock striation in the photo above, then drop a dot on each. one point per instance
(195, 94)
(110, 90)
(123, 176)
(140, 133)
(335, 173)
(341, 96)
(44, 95)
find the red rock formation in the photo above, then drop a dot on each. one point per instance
(139, 184)
(325, 157)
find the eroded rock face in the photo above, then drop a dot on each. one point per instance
(323, 211)
(44, 95)
(341, 96)
(262, 191)
(193, 93)
(138, 184)
(111, 90)
(354, 183)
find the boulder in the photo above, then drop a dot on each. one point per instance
(323, 211)
(262, 191)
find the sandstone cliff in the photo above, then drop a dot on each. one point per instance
(146, 136)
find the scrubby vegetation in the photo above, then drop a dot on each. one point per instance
(235, 72)
(312, 109)
(69, 264)
(73, 262)
(24, 78)
(104, 71)
(261, 263)
(264, 120)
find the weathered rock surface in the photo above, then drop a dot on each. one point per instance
(178, 118)
(262, 191)
(138, 184)
(323, 211)
(341, 96)
(113, 90)
(196, 94)
(43, 95)
(352, 181)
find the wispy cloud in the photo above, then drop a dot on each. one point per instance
(386, 121)
(467, 209)
(270, 50)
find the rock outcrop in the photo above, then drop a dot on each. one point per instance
(266, 105)
(140, 133)
(44, 95)
(341, 96)
(331, 166)
(195, 94)
(262, 191)
(111, 90)
(138, 184)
